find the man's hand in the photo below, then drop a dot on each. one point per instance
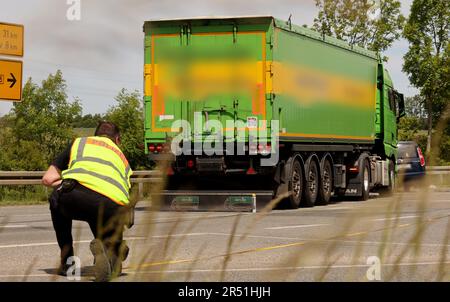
(52, 177)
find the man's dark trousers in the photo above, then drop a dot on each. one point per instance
(104, 216)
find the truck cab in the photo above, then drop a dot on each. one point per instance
(390, 108)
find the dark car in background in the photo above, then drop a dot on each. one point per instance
(410, 162)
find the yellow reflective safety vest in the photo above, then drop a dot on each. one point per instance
(98, 163)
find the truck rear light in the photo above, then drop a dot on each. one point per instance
(264, 149)
(151, 148)
(422, 159)
(353, 169)
(159, 148)
(190, 164)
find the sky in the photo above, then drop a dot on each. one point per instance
(103, 51)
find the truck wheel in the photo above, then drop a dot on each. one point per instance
(392, 179)
(390, 189)
(365, 181)
(326, 184)
(295, 185)
(312, 184)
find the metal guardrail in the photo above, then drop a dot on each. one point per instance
(11, 178)
(434, 170)
(20, 178)
(14, 178)
(439, 174)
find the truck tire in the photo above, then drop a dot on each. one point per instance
(312, 180)
(392, 178)
(296, 185)
(365, 181)
(326, 183)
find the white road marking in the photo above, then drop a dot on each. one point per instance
(140, 238)
(55, 243)
(13, 226)
(29, 276)
(183, 217)
(295, 226)
(254, 269)
(329, 207)
(86, 241)
(394, 218)
(328, 240)
(389, 243)
(25, 215)
(179, 235)
(251, 236)
(257, 269)
(36, 244)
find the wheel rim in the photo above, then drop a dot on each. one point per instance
(326, 180)
(366, 180)
(392, 180)
(296, 183)
(312, 181)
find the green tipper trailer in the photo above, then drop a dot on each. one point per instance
(264, 98)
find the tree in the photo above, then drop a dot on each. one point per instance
(372, 24)
(40, 126)
(416, 115)
(129, 117)
(88, 121)
(427, 61)
(414, 107)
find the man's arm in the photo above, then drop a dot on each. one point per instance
(52, 177)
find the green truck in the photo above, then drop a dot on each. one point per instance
(261, 98)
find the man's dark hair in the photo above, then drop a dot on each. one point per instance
(107, 129)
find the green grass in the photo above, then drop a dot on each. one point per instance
(4, 203)
(36, 195)
(23, 195)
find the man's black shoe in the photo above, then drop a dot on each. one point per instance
(62, 270)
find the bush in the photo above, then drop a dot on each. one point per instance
(23, 194)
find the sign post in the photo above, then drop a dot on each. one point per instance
(11, 44)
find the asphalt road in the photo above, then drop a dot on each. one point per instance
(400, 238)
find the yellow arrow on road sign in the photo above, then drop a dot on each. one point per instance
(11, 39)
(10, 80)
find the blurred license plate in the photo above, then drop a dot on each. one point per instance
(404, 166)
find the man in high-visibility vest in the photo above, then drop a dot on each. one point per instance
(92, 183)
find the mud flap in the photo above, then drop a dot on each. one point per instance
(354, 184)
(283, 172)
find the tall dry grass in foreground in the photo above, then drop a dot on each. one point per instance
(163, 252)
(356, 228)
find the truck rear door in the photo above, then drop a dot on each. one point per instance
(216, 71)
